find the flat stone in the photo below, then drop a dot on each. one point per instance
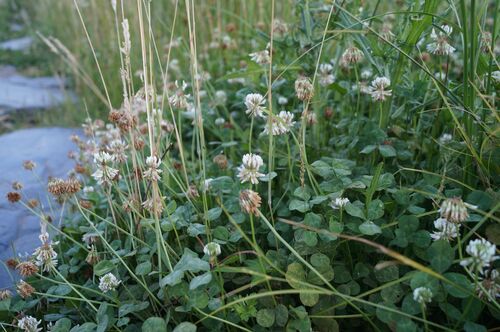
(19, 93)
(48, 148)
(18, 44)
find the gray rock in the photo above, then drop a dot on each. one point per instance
(18, 44)
(48, 148)
(19, 93)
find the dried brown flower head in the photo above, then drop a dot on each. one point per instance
(26, 269)
(29, 165)
(328, 112)
(138, 143)
(80, 169)
(62, 189)
(193, 191)
(24, 289)
(33, 203)
(85, 204)
(92, 257)
(250, 201)
(221, 161)
(12, 263)
(304, 88)
(16, 185)
(13, 196)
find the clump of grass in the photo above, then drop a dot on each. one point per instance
(316, 171)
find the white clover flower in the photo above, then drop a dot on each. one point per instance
(104, 173)
(260, 57)
(339, 202)
(282, 100)
(29, 324)
(445, 138)
(280, 124)
(220, 97)
(108, 282)
(440, 45)
(422, 295)
(482, 254)
(366, 74)
(45, 255)
(118, 148)
(249, 169)
(351, 55)
(179, 99)
(88, 189)
(446, 230)
(378, 89)
(153, 172)
(386, 32)
(212, 249)
(496, 76)
(254, 103)
(325, 74)
(219, 121)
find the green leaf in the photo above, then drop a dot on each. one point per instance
(375, 209)
(295, 272)
(355, 209)
(387, 151)
(441, 255)
(201, 280)
(369, 228)
(298, 205)
(281, 315)
(143, 268)
(190, 262)
(154, 324)
(5, 305)
(368, 149)
(302, 193)
(172, 279)
(127, 308)
(184, 327)
(322, 168)
(463, 286)
(309, 299)
(265, 317)
(103, 267)
(473, 327)
(62, 325)
(214, 213)
(85, 327)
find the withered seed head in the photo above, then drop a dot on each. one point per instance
(24, 289)
(13, 196)
(33, 203)
(221, 161)
(16, 185)
(29, 165)
(26, 269)
(250, 201)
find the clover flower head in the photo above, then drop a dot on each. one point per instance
(280, 124)
(249, 169)
(440, 44)
(254, 103)
(29, 324)
(481, 252)
(339, 202)
(108, 282)
(446, 230)
(153, 172)
(378, 89)
(212, 249)
(250, 201)
(422, 295)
